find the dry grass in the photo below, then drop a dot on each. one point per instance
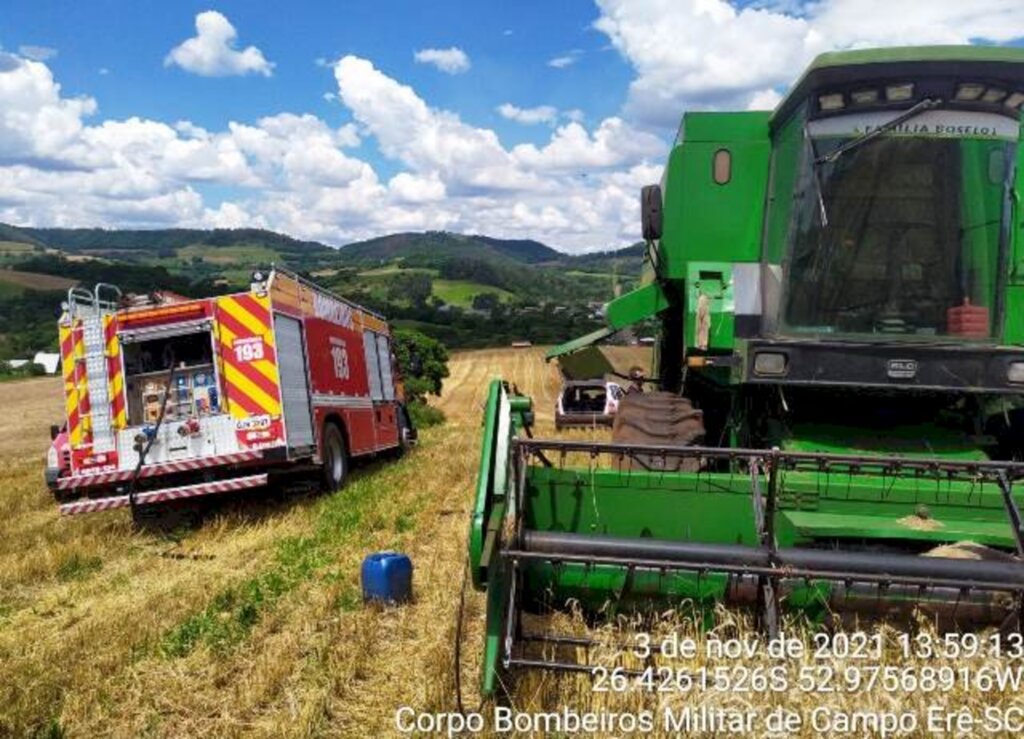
(29, 407)
(35, 280)
(251, 624)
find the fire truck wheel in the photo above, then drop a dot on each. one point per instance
(335, 457)
(406, 431)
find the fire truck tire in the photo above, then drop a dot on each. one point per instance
(406, 431)
(335, 458)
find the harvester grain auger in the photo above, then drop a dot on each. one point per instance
(838, 421)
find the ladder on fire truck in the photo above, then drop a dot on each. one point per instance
(91, 309)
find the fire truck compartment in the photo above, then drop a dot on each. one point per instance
(195, 423)
(194, 391)
(294, 381)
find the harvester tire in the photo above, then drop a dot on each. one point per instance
(335, 458)
(661, 419)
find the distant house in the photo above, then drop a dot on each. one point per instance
(50, 362)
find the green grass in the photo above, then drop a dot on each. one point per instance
(461, 292)
(230, 615)
(78, 567)
(394, 269)
(15, 249)
(34, 280)
(10, 290)
(594, 275)
(243, 254)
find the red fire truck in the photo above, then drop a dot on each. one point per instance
(169, 398)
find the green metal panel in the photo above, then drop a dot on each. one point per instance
(579, 343)
(916, 54)
(1013, 321)
(1017, 225)
(637, 305)
(714, 128)
(709, 221)
(485, 491)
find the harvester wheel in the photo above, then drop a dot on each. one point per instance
(335, 458)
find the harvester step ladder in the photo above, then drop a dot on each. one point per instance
(92, 310)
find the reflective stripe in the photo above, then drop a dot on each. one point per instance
(184, 465)
(118, 410)
(157, 496)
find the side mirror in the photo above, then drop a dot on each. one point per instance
(650, 212)
(54, 432)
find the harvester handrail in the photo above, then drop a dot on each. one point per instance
(819, 461)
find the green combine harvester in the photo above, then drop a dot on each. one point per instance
(838, 423)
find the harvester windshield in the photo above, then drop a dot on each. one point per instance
(905, 235)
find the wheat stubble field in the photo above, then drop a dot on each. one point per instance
(251, 624)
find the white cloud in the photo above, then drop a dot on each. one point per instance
(528, 116)
(299, 175)
(409, 188)
(212, 53)
(615, 143)
(35, 120)
(764, 100)
(37, 53)
(408, 130)
(710, 54)
(565, 60)
(452, 60)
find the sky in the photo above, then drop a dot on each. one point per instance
(340, 120)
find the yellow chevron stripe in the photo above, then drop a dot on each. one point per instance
(247, 319)
(264, 366)
(225, 335)
(116, 387)
(255, 393)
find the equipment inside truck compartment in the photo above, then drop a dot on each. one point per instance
(148, 368)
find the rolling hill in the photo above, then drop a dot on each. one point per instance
(431, 246)
(469, 290)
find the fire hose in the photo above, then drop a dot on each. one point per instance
(151, 438)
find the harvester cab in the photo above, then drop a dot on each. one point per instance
(839, 286)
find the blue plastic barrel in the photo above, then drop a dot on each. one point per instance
(387, 577)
